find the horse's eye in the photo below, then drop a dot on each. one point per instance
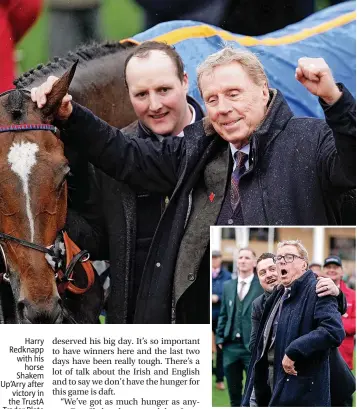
(64, 178)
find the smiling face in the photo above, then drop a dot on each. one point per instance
(289, 272)
(267, 274)
(246, 262)
(157, 94)
(235, 104)
(334, 272)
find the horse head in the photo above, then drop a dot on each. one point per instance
(33, 200)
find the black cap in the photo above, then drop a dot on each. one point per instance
(216, 253)
(333, 260)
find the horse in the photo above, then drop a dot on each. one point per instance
(33, 208)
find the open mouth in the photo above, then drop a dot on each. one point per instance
(283, 272)
(271, 281)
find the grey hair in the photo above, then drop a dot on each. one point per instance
(249, 62)
(300, 248)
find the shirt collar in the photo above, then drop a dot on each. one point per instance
(247, 280)
(193, 120)
(245, 149)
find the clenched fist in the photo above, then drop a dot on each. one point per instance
(315, 75)
(39, 95)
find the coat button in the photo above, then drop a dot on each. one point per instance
(288, 380)
(191, 277)
(230, 221)
(158, 264)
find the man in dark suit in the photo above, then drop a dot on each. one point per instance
(342, 382)
(234, 323)
(219, 276)
(290, 361)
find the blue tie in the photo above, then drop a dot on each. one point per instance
(240, 159)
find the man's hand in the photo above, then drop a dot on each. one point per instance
(215, 298)
(39, 95)
(325, 286)
(289, 365)
(315, 75)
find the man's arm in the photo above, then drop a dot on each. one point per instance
(222, 319)
(138, 162)
(336, 153)
(256, 317)
(329, 331)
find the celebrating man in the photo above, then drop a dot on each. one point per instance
(290, 362)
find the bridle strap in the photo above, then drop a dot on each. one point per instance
(28, 127)
(28, 244)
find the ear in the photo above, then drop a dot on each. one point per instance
(59, 90)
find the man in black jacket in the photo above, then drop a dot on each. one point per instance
(304, 163)
(342, 382)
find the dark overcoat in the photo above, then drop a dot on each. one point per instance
(226, 315)
(342, 381)
(309, 326)
(308, 162)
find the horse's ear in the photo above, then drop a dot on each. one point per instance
(59, 90)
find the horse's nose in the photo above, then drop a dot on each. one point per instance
(49, 313)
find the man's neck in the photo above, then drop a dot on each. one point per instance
(186, 120)
(244, 275)
(337, 282)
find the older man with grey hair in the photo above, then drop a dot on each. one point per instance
(251, 162)
(290, 361)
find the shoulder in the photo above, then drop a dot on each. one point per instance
(226, 274)
(258, 302)
(132, 130)
(230, 283)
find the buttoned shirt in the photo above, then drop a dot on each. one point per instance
(248, 280)
(245, 149)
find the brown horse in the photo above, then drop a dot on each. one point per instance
(33, 208)
(98, 83)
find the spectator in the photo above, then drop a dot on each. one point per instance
(316, 268)
(234, 323)
(257, 17)
(219, 277)
(205, 11)
(72, 23)
(333, 269)
(16, 17)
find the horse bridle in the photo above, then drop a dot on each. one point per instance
(54, 251)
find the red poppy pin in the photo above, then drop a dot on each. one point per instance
(211, 197)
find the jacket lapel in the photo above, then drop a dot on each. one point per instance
(251, 295)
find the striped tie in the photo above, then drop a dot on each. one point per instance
(240, 159)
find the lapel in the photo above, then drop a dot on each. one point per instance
(232, 295)
(215, 180)
(251, 295)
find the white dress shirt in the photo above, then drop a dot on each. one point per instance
(248, 280)
(245, 149)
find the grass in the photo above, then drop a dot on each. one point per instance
(220, 399)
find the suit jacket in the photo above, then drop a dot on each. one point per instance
(226, 315)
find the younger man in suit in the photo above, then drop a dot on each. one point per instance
(234, 323)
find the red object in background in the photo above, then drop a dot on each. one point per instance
(349, 324)
(16, 17)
